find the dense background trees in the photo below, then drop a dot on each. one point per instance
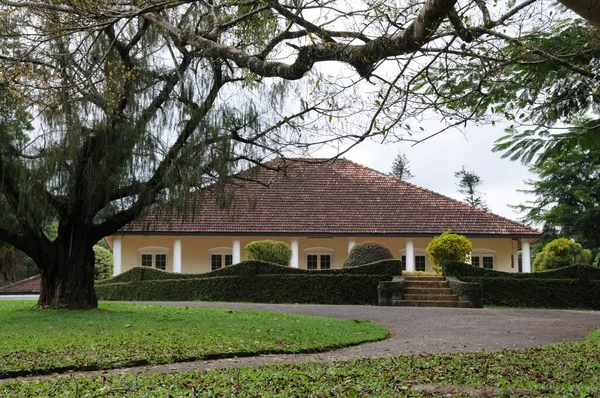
(566, 192)
(111, 107)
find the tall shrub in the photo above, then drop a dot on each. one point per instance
(367, 253)
(448, 247)
(103, 266)
(272, 251)
(560, 253)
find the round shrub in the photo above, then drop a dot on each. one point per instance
(367, 253)
(103, 267)
(271, 251)
(448, 247)
(560, 253)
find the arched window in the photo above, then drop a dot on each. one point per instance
(319, 257)
(421, 260)
(153, 256)
(485, 258)
(220, 257)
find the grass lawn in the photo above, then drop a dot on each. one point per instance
(568, 369)
(34, 341)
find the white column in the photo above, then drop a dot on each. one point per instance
(177, 255)
(236, 251)
(116, 255)
(295, 262)
(526, 255)
(351, 243)
(410, 255)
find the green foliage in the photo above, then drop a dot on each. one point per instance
(468, 183)
(103, 267)
(567, 194)
(254, 281)
(119, 335)
(307, 289)
(367, 253)
(559, 253)
(535, 89)
(462, 270)
(538, 292)
(448, 247)
(576, 286)
(400, 168)
(557, 370)
(248, 267)
(271, 251)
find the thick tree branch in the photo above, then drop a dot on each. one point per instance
(362, 57)
(588, 9)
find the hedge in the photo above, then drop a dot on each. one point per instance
(253, 267)
(253, 281)
(463, 270)
(314, 289)
(535, 292)
(473, 291)
(575, 286)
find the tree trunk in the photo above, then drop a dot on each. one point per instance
(68, 275)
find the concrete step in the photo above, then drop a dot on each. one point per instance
(431, 303)
(431, 297)
(424, 278)
(431, 291)
(426, 284)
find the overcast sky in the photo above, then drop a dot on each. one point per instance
(435, 161)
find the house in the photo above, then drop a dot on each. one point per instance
(27, 286)
(321, 209)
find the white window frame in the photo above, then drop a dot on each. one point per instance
(417, 252)
(319, 251)
(222, 251)
(484, 253)
(154, 251)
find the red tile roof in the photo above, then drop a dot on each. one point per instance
(29, 285)
(319, 197)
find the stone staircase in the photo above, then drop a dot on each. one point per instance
(428, 291)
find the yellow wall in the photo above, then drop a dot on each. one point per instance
(196, 255)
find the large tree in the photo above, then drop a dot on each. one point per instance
(566, 192)
(133, 103)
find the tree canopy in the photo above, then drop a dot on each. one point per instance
(111, 107)
(561, 252)
(566, 194)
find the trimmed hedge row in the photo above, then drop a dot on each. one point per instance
(463, 270)
(535, 292)
(314, 289)
(253, 267)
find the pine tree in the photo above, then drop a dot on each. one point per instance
(468, 185)
(400, 167)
